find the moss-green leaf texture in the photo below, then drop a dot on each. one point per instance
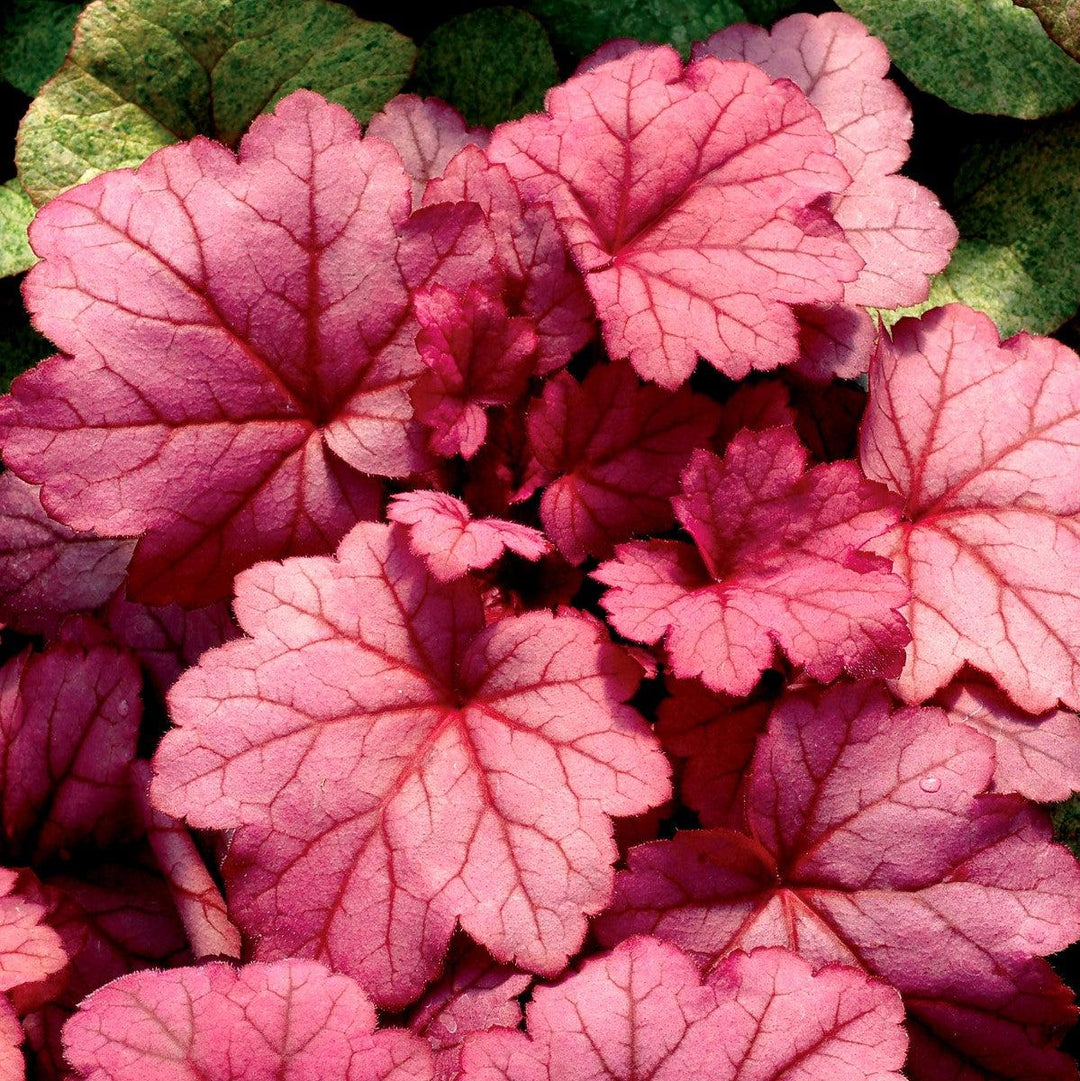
(580, 27)
(1017, 206)
(492, 65)
(34, 36)
(982, 56)
(1061, 20)
(145, 73)
(16, 213)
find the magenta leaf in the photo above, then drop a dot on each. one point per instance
(548, 582)
(716, 736)
(477, 355)
(776, 561)
(241, 335)
(540, 280)
(219, 1023)
(827, 418)
(868, 841)
(835, 342)
(692, 237)
(167, 640)
(757, 406)
(427, 133)
(12, 1064)
(114, 920)
(391, 766)
(443, 533)
(475, 994)
(896, 225)
(609, 453)
(198, 900)
(642, 1013)
(48, 571)
(504, 471)
(118, 918)
(69, 722)
(981, 440)
(1039, 757)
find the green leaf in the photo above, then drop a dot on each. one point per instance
(492, 65)
(766, 12)
(35, 35)
(580, 27)
(1066, 819)
(16, 213)
(146, 73)
(1060, 19)
(982, 56)
(1017, 207)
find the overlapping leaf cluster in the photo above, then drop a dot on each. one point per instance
(416, 525)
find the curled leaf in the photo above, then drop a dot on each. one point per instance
(451, 542)
(776, 562)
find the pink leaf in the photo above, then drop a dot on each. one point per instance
(776, 561)
(692, 239)
(451, 542)
(69, 722)
(219, 1023)
(609, 452)
(474, 995)
(1039, 757)
(241, 338)
(168, 640)
(541, 281)
(197, 898)
(896, 225)
(842, 70)
(641, 1013)
(393, 766)
(31, 953)
(427, 133)
(869, 842)
(982, 442)
(477, 355)
(903, 235)
(716, 735)
(48, 571)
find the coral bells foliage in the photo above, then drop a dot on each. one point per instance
(391, 765)
(372, 570)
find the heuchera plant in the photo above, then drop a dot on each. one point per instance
(413, 470)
